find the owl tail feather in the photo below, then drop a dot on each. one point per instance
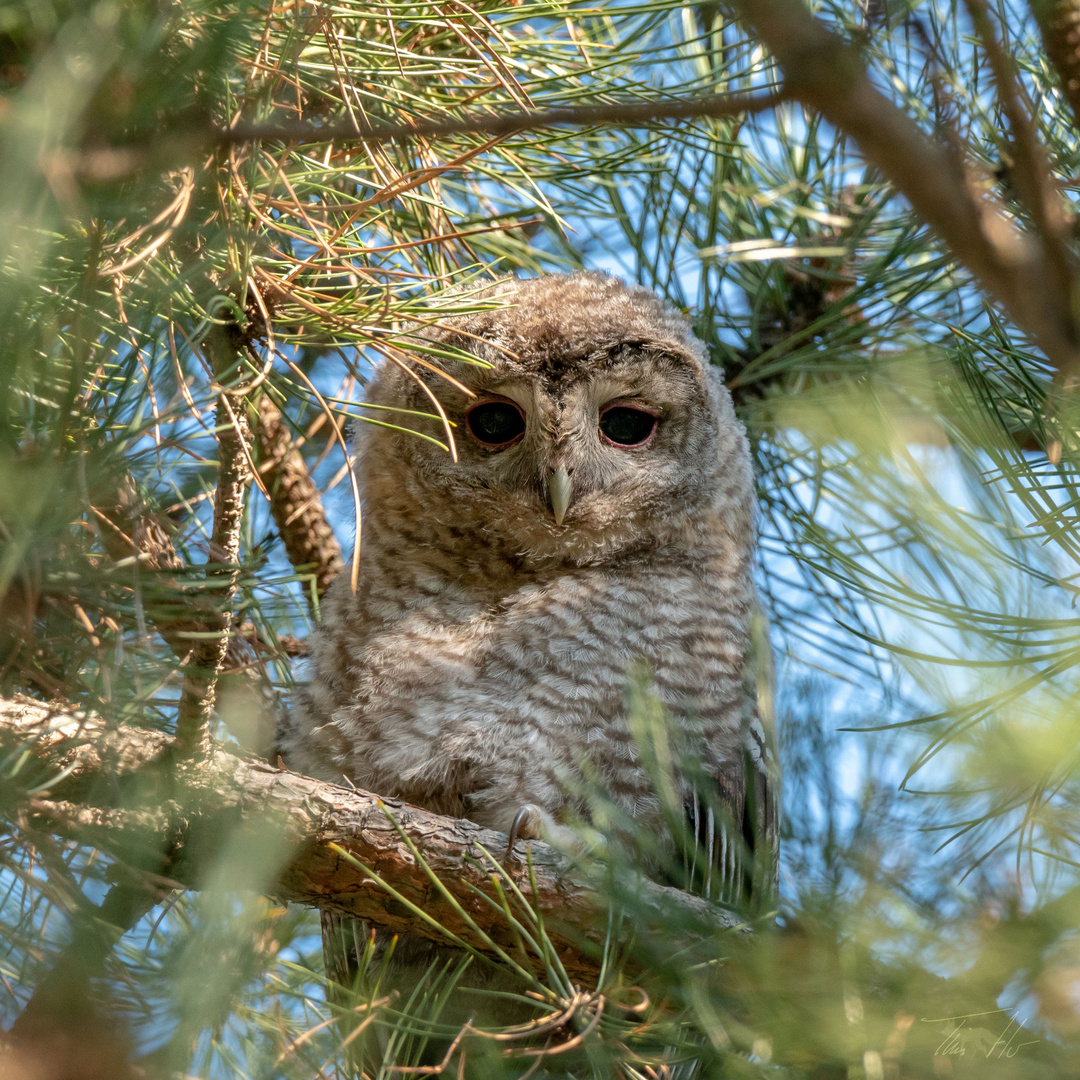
(731, 854)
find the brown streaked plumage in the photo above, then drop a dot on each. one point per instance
(486, 651)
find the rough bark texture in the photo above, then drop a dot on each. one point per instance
(295, 502)
(221, 819)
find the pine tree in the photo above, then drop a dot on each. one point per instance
(215, 218)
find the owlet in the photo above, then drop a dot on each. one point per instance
(598, 519)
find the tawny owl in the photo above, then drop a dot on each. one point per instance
(600, 515)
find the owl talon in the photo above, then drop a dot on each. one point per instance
(526, 825)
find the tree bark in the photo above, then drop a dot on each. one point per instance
(219, 820)
(295, 501)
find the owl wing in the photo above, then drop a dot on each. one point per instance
(734, 819)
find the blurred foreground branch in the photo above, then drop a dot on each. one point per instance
(613, 114)
(308, 842)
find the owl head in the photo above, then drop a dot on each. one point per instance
(590, 428)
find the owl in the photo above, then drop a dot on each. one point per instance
(597, 518)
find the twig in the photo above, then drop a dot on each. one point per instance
(208, 655)
(1031, 168)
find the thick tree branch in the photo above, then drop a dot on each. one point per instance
(823, 71)
(302, 840)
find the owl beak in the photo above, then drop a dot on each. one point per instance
(560, 492)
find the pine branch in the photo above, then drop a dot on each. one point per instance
(208, 656)
(184, 617)
(129, 530)
(314, 839)
(64, 996)
(294, 500)
(1016, 268)
(614, 114)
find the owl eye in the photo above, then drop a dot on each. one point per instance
(496, 424)
(623, 425)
